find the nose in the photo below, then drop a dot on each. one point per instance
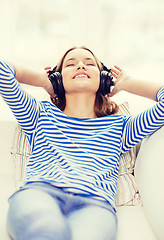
(81, 65)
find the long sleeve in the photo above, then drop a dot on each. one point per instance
(24, 107)
(138, 127)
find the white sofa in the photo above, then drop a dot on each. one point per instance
(134, 222)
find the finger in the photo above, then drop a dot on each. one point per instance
(47, 68)
(118, 67)
(53, 95)
(113, 92)
(47, 72)
(114, 74)
(115, 71)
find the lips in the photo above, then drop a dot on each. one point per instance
(81, 75)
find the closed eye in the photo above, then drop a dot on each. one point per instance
(69, 65)
(90, 64)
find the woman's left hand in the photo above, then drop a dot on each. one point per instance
(121, 78)
(132, 85)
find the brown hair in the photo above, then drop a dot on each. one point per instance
(103, 105)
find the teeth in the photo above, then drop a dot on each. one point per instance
(80, 76)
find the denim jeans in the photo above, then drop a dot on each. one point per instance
(41, 211)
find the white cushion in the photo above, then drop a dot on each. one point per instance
(150, 178)
(7, 187)
(133, 225)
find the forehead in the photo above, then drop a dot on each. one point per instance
(79, 54)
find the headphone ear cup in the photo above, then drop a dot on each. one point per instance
(106, 81)
(57, 83)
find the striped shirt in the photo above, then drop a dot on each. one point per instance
(78, 155)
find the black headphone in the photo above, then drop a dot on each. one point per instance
(106, 81)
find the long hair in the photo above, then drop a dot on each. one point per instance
(103, 104)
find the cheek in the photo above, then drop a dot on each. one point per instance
(65, 83)
(97, 78)
(65, 78)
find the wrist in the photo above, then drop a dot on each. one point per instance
(127, 84)
(48, 85)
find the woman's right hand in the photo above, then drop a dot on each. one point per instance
(49, 88)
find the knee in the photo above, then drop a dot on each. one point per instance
(38, 225)
(36, 217)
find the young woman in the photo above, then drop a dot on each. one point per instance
(76, 142)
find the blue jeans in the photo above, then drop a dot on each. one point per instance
(41, 211)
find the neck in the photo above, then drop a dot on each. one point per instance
(80, 106)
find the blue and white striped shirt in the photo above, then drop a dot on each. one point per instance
(78, 155)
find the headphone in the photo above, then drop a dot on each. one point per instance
(106, 81)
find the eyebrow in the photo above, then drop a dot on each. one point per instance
(70, 59)
(89, 59)
(75, 59)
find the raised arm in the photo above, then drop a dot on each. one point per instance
(132, 85)
(140, 126)
(33, 77)
(25, 107)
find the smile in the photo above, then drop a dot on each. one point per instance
(81, 76)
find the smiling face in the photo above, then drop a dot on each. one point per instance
(80, 72)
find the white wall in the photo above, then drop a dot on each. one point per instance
(125, 32)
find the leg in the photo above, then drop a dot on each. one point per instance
(34, 214)
(93, 223)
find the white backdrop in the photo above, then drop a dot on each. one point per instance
(126, 32)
